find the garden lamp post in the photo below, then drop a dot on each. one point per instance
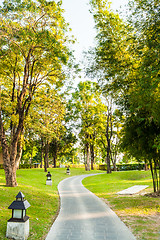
(18, 224)
(68, 171)
(49, 180)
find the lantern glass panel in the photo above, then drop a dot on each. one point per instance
(24, 213)
(17, 213)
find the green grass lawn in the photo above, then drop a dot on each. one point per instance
(139, 212)
(44, 199)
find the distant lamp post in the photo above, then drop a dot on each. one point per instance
(68, 171)
(49, 180)
(18, 224)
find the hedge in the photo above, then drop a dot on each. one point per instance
(23, 166)
(124, 167)
(130, 166)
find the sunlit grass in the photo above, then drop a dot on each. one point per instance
(139, 212)
(44, 199)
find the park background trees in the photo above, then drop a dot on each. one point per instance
(126, 61)
(33, 45)
(117, 111)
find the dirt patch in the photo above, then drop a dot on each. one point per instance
(143, 226)
(154, 194)
(144, 223)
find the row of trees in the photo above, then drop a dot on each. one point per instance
(126, 61)
(92, 113)
(33, 54)
(35, 59)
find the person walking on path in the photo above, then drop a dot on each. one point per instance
(84, 216)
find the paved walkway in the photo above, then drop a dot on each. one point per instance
(84, 216)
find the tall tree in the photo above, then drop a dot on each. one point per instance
(109, 60)
(142, 100)
(87, 110)
(127, 59)
(46, 117)
(33, 51)
(62, 145)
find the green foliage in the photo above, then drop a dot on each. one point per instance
(38, 45)
(110, 54)
(126, 57)
(24, 166)
(103, 167)
(47, 113)
(88, 114)
(130, 166)
(34, 57)
(62, 147)
(124, 167)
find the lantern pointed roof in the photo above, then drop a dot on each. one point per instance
(20, 195)
(48, 174)
(19, 204)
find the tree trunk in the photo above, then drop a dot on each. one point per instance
(55, 160)
(85, 164)
(108, 138)
(19, 153)
(88, 164)
(31, 159)
(108, 161)
(145, 167)
(54, 153)
(9, 167)
(46, 156)
(92, 156)
(153, 178)
(42, 152)
(108, 156)
(8, 159)
(114, 159)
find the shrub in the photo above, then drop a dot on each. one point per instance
(130, 166)
(124, 167)
(23, 166)
(1, 166)
(103, 167)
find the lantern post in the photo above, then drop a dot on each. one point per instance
(18, 224)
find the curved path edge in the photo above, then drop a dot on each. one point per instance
(85, 216)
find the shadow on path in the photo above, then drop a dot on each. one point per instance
(85, 216)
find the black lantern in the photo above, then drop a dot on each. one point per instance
(49, 180)
(19, 208)
(68, 171)
(49, 176)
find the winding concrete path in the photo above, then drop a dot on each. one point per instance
(84, 216)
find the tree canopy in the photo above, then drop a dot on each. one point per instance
(33, 51)
(126, 59)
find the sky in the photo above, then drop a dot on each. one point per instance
(82, 23)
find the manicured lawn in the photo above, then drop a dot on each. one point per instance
(44, 199)
(139, 212)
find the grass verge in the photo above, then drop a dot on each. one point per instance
(139, 212)
(44, 199)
